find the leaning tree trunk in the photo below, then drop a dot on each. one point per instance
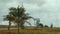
(9, 25)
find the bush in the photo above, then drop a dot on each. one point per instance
(41, 25)
(46, 25)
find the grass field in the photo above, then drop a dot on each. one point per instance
(33, 31)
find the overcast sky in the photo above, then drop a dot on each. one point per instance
(47, 10)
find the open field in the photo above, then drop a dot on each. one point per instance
(33, 31)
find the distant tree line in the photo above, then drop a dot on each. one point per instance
(41, 25)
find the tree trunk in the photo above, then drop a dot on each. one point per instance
(18, 28)
(9, 25)
(22, 25)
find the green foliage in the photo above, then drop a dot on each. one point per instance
(17, 15)
(46, 25)
(51, 26)
(17, 11)
(41, 25)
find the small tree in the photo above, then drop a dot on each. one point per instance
(51, 26)
(8, 18)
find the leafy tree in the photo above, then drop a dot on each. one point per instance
(9, 17)
(17, 15)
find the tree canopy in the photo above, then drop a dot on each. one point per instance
(17, 15)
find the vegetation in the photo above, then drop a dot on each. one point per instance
(8, 17)
(46, 25)
(30, 31)
(51, 26)
(41, 25)
(17, 15)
